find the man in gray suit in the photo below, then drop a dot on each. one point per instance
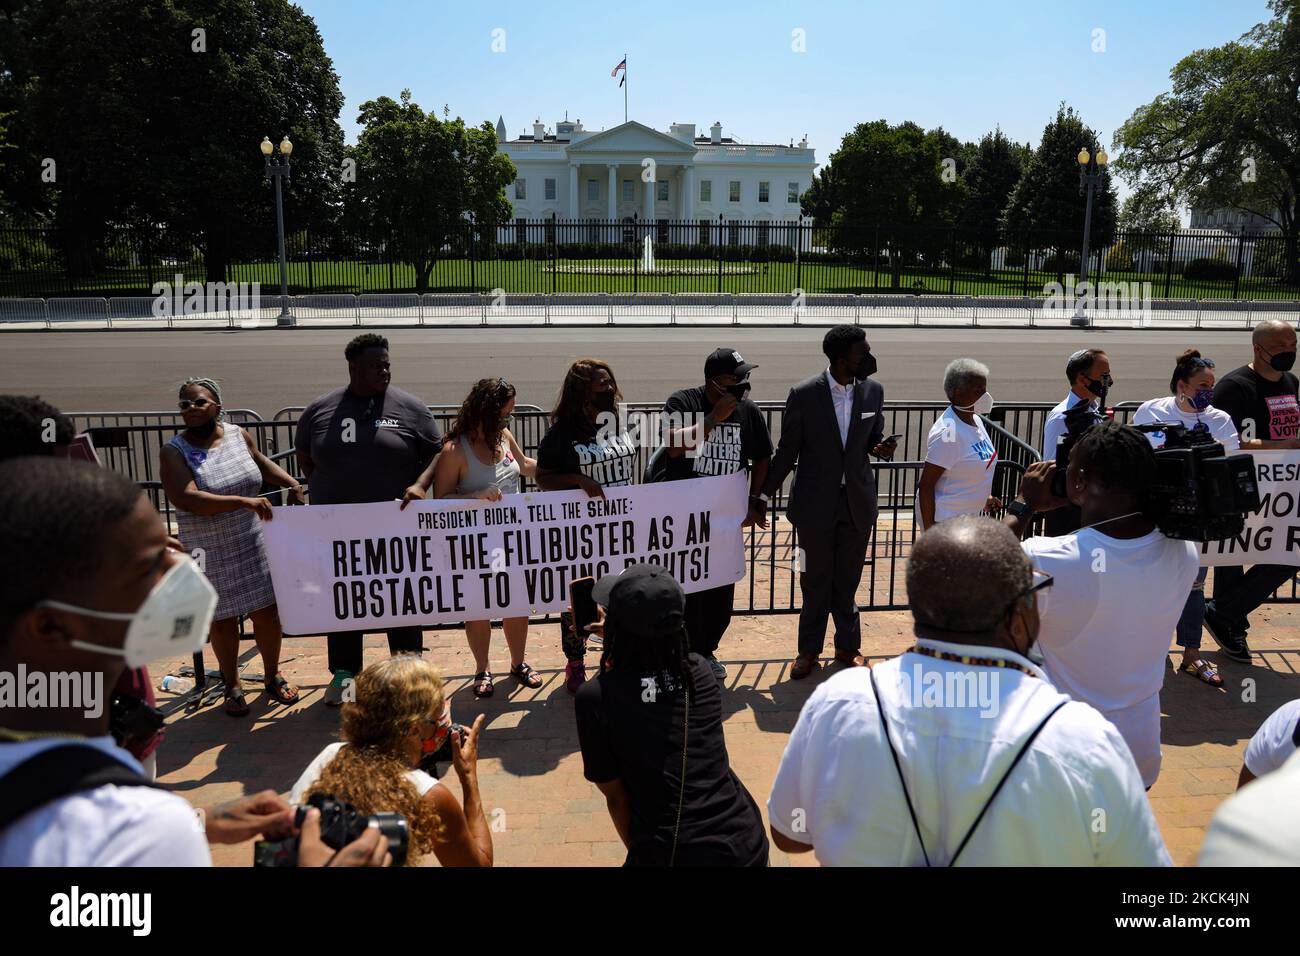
(830, 424)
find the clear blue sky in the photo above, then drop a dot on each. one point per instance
(966, 66)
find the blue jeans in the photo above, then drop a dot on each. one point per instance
(1189, 624)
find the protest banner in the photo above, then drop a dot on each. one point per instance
(373, 566)
(1272, 534)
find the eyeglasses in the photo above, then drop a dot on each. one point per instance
(184, 404)
(1042, 581)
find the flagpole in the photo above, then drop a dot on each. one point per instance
(624, 87)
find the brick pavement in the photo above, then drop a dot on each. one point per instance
(531, 772)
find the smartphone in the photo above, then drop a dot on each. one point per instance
(582, 604)
(892, 438)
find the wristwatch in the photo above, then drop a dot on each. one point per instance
(1020, 509)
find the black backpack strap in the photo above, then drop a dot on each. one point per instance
(59, 772)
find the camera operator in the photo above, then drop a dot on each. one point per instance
(1191, 404)
(1120, 584)
(1261, 398)
(89, 586)
(399, 716)
(1088, 372)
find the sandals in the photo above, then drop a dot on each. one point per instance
(483, 684)
(235, 705)
(279, 689)
(526, 675)
(1203, 671)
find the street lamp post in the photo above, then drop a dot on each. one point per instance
(1092, 172)
(278, 169)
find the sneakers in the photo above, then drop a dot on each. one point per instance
(575, 672)
(719, 671)
(1232, 642)
(334, 692)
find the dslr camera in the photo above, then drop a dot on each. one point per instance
(1200, 492)
(340, 824)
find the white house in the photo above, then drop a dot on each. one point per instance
(634, 173)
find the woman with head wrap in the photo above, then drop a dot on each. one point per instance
(212, 473)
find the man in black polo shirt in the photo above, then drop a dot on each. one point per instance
(367, 441)
(713, 429)
(1261, 398)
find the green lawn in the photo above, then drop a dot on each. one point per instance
(699, 276)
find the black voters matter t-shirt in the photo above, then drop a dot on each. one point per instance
(366, 449)
(571, 449)
(1269, 407)
(630, 729)
(731, 445)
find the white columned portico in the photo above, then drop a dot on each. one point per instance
(688, 193)
(648, 211)
(613, 202)
(573, 190)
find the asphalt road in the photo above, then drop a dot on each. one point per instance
(268, 369)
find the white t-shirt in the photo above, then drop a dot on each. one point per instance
(107, 826)
(837, 788)
(1107, 624)
(969, 461)
(1275, 741)
(1258, 825)
(1054, 426)
(1166, 410)
(423, 782)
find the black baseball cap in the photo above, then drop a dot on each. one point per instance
(642, 599)
(726, 362)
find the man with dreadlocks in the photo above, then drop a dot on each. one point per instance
(1120, 585)
(650, 730)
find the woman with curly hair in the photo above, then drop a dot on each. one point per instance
(481, 460)
(585, 448)
(401, 714)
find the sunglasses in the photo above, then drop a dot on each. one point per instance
(185, 404)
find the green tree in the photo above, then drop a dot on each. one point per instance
(148, 122)
(884, 190)
(1228, 133)
(1147, 216)
(420, 180)
(1046, 206)
(996, 166)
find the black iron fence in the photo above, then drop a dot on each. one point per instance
(130, 442)
(638, 256)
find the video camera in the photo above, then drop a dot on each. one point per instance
(1077, 421)
(1200, 492)
(340, 824)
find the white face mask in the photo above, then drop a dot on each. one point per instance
(983, 405)
(172, 620)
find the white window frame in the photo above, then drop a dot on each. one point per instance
(764, 191)
(548, 189)
(733, 190)
(706, 190)
(521, 189)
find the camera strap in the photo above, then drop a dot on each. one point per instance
(681, 793)
(875, 690)
(60, 772)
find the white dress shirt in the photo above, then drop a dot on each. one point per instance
(1075, 798)
(842, 397)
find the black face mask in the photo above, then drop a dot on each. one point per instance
(739, 390)
(867, 367)
(603, 401)
(1099, 386)
(1282, 361)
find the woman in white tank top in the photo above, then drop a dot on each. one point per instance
(481, 459)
